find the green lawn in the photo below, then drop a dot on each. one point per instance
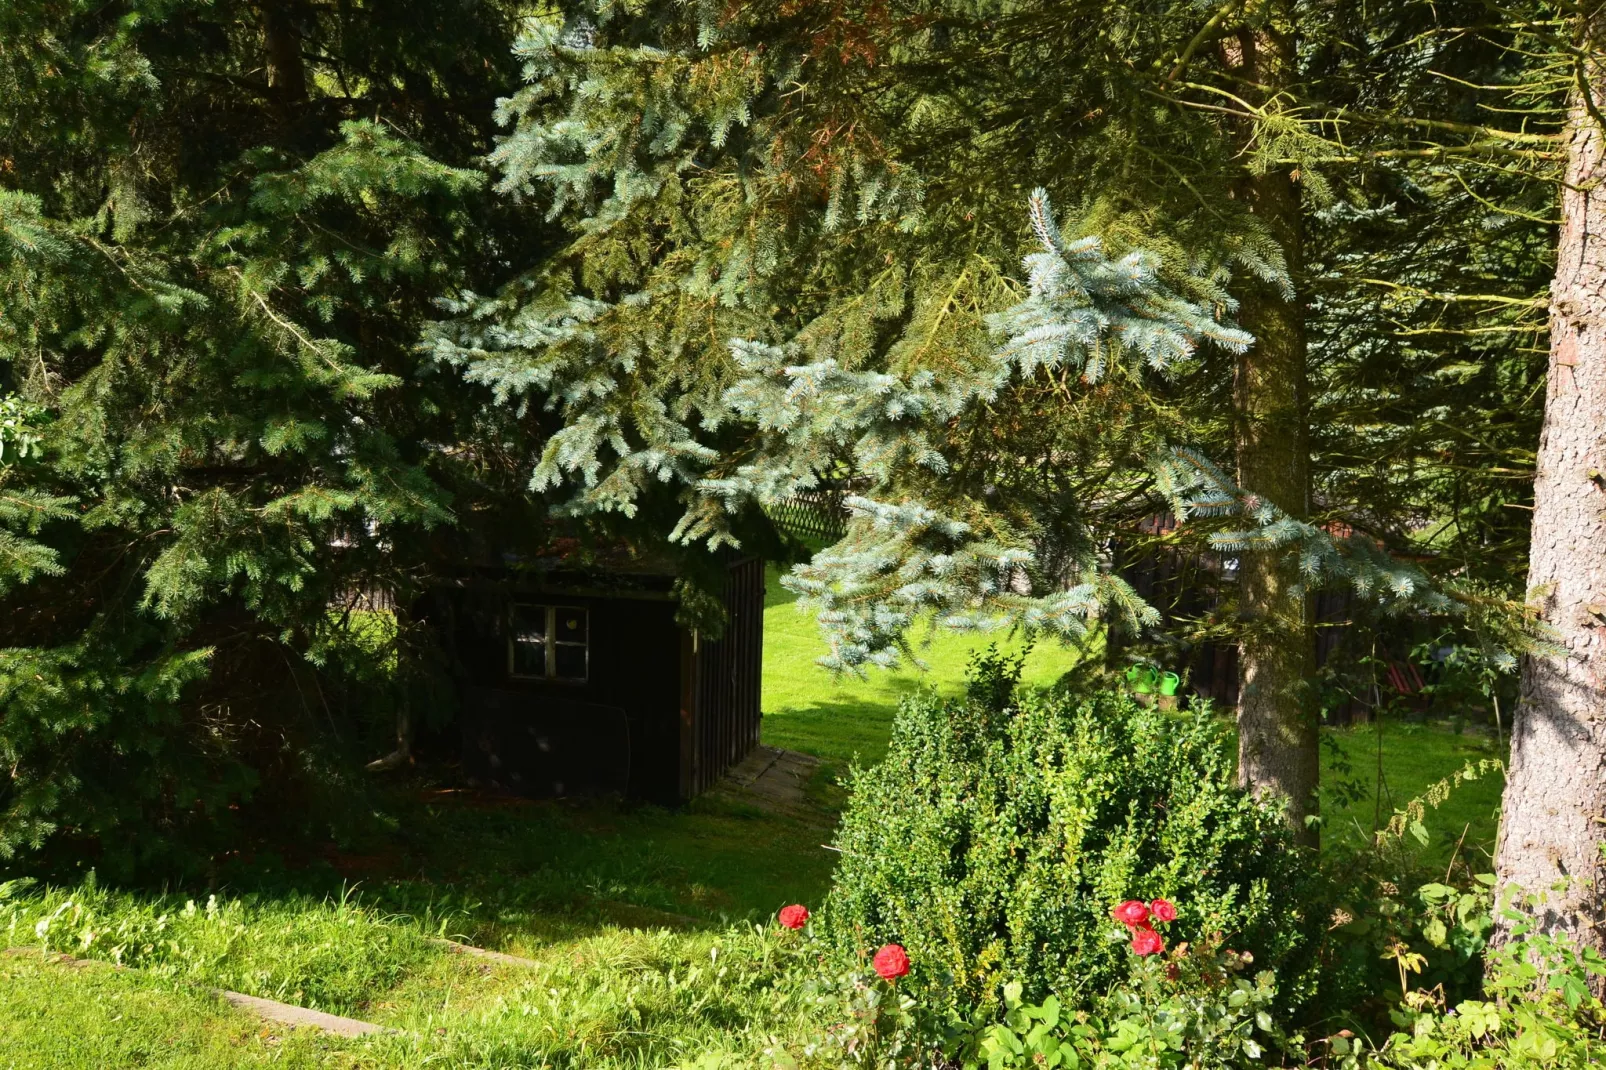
(61, 1018)
(1414, 757)
(808, 709)
(639, 919)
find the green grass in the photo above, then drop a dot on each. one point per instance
(808, 709)
(515, 874)
(55, 1017)
(640, 920)
(327, 954)
(613, 997)
(1360, 792)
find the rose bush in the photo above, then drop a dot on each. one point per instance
(1131, 912)
(1147, 942)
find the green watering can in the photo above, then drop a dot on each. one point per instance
(1143, 679)
(1146, 680)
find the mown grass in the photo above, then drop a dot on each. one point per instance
(1371, 771)
(646, 926)
(514, 875)
(839, 718)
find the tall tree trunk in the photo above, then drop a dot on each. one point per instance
(1278, 747)
(1553, 819)
(286, 70)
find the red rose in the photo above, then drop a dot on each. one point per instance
(891, 962)
(1131, 913)
(1164, 910)
(795, 916)
(1147, 942)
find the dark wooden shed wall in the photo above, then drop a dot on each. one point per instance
(634, 674)
(728, 684)
(692, 706)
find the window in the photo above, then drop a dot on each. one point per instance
(548, 643)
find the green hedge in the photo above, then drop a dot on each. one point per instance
(1002, 828)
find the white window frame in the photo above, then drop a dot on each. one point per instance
(550, 641)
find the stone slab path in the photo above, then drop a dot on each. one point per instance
(771, 779)
(498, 957)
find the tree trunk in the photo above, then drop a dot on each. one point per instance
(286, 71)
(1278, 747)
(1553, 818)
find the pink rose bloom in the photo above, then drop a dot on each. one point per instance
(1147, 942)
(795, 916)
(1164, 910)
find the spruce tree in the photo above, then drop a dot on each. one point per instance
(221, 226)
(845, 202)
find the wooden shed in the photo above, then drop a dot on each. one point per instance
(579, 681)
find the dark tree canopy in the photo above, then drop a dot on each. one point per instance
(221, 227)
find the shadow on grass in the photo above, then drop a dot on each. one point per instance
(837, 732)
(510, 873)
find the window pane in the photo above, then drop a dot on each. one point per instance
(529, 641)
(571, 662)
(529, 623)
(571, 625)
(529, 658)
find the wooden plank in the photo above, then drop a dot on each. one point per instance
(688, 713)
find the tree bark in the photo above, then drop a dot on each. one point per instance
(286, 70)
(1278, 747)
(1553, 817)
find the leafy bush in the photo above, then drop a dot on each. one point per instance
(1002, 828)
(1401, 918)
(1192, 1010)
(1539, 1011)
(1391, 930)
(1535, 1011)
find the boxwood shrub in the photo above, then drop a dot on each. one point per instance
(1002, 828)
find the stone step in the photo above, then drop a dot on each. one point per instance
(269, 1010)
(498, 957)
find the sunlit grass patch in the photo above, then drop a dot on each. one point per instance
(330, 955)
(808, 709)
(55, 1017)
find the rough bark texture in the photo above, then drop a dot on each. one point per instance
(1278, 748)
(1553, 820)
